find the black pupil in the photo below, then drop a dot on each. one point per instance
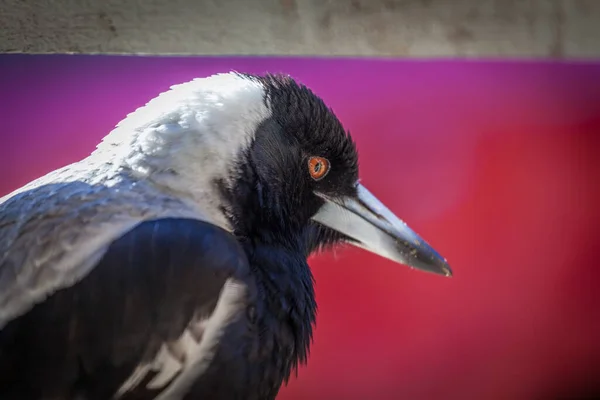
(318, 166)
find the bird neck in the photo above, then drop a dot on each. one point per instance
(284, 277)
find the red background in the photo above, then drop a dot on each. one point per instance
(496, 164)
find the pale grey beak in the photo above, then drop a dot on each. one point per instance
(375, 228)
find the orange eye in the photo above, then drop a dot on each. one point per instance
(318, 167)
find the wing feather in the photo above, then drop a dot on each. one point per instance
(53, 234)
(127, 326)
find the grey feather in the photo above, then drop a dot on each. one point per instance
(55, 229)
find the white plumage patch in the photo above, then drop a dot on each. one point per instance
(190, 135)
(178, 364)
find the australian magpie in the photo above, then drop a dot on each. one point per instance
(172, 262)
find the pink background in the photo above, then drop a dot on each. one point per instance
(496, 164)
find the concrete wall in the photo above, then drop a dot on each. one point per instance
(418, 28)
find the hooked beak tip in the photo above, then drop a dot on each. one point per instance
(438, 266)
(447, 271)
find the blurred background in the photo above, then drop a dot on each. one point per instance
(496, 164)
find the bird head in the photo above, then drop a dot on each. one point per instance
(271, 159)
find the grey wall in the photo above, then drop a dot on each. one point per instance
(430, 28)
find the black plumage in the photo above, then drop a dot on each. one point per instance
(143, 292)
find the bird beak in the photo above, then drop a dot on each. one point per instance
(372, 226)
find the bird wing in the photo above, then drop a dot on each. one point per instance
(54, 230)
(150, 312)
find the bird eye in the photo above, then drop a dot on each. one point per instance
(318, 167)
